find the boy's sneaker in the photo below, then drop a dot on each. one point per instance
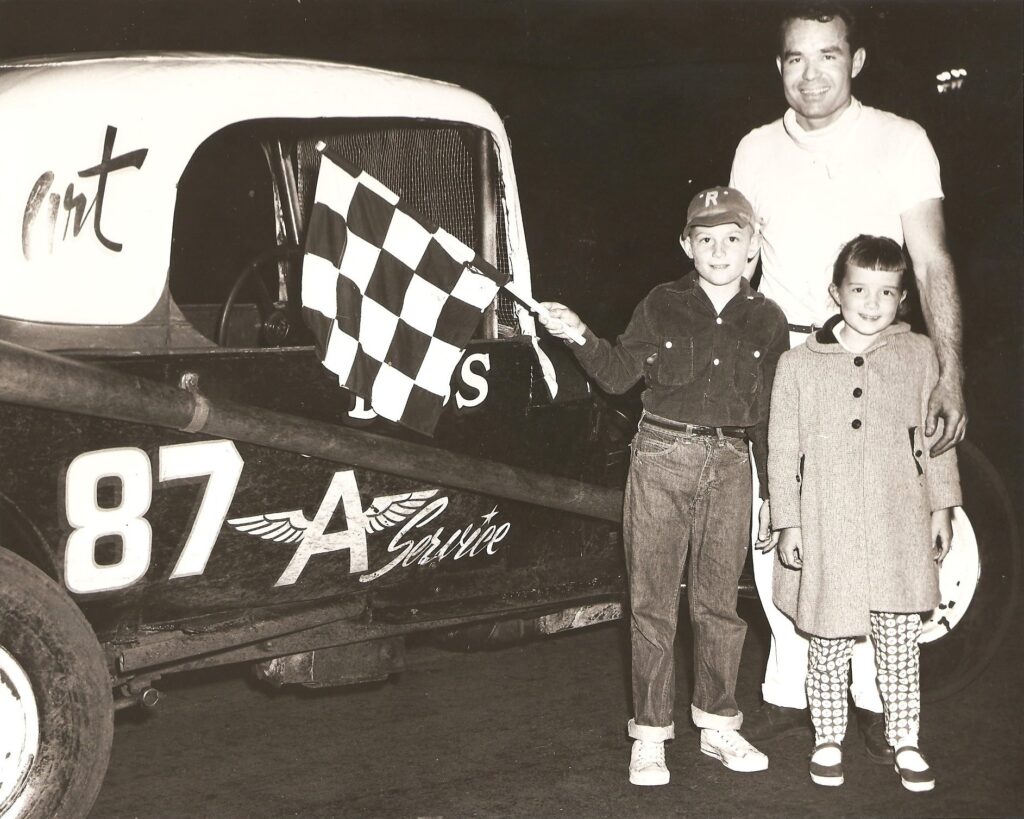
(647, 763)
(732, 750)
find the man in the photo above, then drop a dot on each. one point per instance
(828, 170)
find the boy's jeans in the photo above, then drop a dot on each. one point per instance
(685, 493)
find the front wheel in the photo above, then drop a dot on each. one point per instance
(56, 711)
(979, 582)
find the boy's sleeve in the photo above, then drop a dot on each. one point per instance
(941, 473)
(618, 367)
(784, 446)
(759, 432)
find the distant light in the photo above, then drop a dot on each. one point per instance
(950, 80)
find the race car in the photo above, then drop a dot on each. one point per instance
(183, 484)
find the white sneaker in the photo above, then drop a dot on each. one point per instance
(647, 763)
(732, 750)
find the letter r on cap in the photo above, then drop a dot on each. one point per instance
(710, 198)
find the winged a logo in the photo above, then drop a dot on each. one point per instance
(290, 527)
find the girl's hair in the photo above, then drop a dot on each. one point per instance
(873, 253)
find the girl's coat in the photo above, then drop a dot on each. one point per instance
(848, 462)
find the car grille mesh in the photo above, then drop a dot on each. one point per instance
(430, 167)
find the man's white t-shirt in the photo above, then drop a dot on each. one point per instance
(816, 190)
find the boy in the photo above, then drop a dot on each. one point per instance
(707, 346)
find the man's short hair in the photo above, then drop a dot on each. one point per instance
(820, 13)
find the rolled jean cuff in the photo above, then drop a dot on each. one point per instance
(702, 719)
(651, 733)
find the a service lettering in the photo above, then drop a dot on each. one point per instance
(220, 463)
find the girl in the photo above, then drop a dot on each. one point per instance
(864, 510)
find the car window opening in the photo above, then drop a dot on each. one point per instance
(246, 195)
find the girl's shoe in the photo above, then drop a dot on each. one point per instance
(827, 764)
(913, 769)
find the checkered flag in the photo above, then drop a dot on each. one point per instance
(392, 299)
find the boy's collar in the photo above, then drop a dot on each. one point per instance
(825, 341)
(690, 282)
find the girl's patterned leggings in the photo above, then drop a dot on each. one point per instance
(897, 657)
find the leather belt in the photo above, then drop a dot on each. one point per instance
(695, 429)
(806, 329)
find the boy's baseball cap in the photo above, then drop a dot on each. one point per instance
(718, 206)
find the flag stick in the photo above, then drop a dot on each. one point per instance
(536, 307)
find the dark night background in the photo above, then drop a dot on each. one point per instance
(619, 111)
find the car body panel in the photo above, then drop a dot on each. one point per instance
(104, 140)
(156, 531)
(438, 546)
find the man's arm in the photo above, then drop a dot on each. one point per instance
(924, 230)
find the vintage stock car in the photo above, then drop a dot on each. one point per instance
(182, 483)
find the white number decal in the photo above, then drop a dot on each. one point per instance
(221, 461)
(343, 487)
(131, 467)
(90, 521)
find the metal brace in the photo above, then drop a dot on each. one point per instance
(200, 406)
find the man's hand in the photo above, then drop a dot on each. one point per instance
(559, 319)
(790, 548)
(766, 538)
(946, 404)
(942, 533)
(924, 231)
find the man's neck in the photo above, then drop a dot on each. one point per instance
(821, 133)
(817, 124)
(719, 294)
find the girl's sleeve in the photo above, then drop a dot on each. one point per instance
(784, 445)
(941, 473)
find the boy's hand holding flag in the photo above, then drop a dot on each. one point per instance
(557, 319)
(561, 322)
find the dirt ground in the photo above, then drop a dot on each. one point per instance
(532, 731)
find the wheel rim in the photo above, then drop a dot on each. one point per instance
(19, 739)
(958, 580)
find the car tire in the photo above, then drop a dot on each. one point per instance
(980, 582)
(55, 699)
